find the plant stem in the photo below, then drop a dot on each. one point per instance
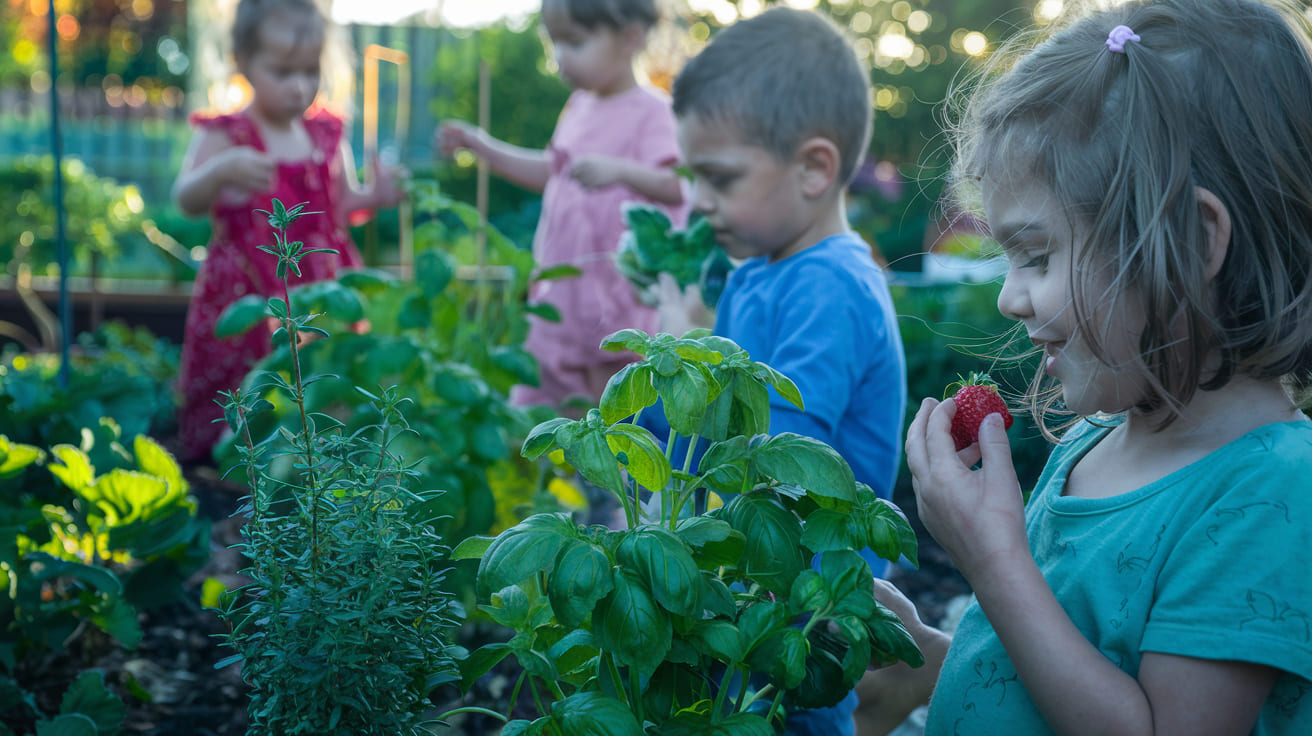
(718, 706)
(635, 682)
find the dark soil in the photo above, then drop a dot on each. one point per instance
(175, 663)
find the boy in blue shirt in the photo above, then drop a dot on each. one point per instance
(774, 116)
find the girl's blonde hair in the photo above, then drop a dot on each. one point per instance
(1215, 94)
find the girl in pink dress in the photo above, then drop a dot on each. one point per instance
(279, 146)
(614, 142)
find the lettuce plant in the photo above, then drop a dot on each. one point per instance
(343, 627)
(655, 628)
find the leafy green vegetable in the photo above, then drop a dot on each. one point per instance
(652, 245)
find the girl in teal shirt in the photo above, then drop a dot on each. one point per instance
(1148, 171)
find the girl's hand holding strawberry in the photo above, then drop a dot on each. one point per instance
(977, 515)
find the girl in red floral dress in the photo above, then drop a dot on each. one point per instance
(280, 146)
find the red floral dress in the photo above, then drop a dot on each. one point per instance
(235, 267)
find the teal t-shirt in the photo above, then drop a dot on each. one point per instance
(1213, 561)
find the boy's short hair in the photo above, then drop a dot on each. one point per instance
(779, 78)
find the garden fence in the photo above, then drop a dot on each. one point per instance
(142, 142)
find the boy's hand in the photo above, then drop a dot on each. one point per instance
(978, 516)
(454, 135)
(246, 169)
(680, 309)
(596, 171)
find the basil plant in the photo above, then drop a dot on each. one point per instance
(688, 622)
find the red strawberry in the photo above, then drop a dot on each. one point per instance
(976, 398)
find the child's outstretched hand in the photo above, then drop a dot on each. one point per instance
(389, 182)
(977, 515)
(455, 135)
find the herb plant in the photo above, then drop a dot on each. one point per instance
(343, 627)
(651, 628)
(451, 342)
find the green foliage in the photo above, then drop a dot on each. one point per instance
(645, 629)
(652, 245)
(450, 340)
(343, 627)
(121, 535)
(99, 213)
(123, 373)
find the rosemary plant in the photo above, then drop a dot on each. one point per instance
(344, 626)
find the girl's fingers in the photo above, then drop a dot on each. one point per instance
(917, 460)
(995, 452)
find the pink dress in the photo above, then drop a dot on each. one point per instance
(235, 268)
(582, 227)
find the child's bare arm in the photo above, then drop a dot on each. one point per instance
(978, 518)
(889, 694)
(383, 191)
(526, 167)
(658, 183)
(211, 165)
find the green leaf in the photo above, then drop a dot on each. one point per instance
(760, 620)
(809, 593)
(72, 724)
(581, 577)
(434, 270)
(807, 463)
(782, 656)
(46, 568)
(721, 640)
(646, 462)
(827, 530)
(480, 661)
(542, 438)
(594, 714)
(631, 339)
(628, 624)
(586, 448)
(773, 552)
(119, 619)
(240, 316)
(665, 566)
(523, 550)
(472, 548)
(72, 467)
(847, 577)
(15, 458)
(89, 697)
(627, 392)
(685, 394)
(737, 724)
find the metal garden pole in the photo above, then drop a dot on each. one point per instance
(61, 240)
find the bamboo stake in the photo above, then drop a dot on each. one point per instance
(481, 194)
(373, 54)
